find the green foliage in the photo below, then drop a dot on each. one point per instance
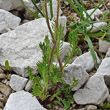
(7, 65)
(30, 11)
(38, 9)
(105, 106)
(47, 85)
(80, 28)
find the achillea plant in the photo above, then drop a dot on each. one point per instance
(49, 85)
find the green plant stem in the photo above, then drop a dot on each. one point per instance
(47, 20)
(52, 53)
(37, 8)
(57, 22)
(51, 9)
(57, 19)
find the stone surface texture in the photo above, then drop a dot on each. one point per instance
(77, 72)
(95, 92)
(108, 53)
(22, 101)
(8, 21)
(17, 83)
(86, 61)
(91, 107)
(4, 92)
(103, 46)
(21, 46)
(95, 14)
(97, 27)
(9, 4)
(28, 86)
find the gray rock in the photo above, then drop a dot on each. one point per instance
(17, 83)
(97, 27)
(2, 76)
(108, 99)
(95, 14)
(64, 50)
(54, 2)
(63, 21)
(4, 92)
(22, 101)
(91, 107)
(14, 4)
(28, 86)
(21, 46)
(104, 68)
(77, 72)
(95, 92)
(1, 105)
(86, 61)
(108, 53)
(1, 71)
(9, 4)
(5, 4)
(103, 46)
(80, 109)
(8, 21)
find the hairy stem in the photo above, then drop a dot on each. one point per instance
(57, 22)
(47, 20)
(52, 53)
(57, 19)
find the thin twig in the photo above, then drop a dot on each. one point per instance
(52, 53)
(57, 23)
(57, 19)
(47, 20)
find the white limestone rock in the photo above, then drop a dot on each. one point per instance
(14, 4)
(21, 46)
(104, 68)
(95, 14)
(77, 72)
(103, 46)
(97, 27)
(17, 83)
(95, 92)
(108, 53)
(63, 21)
(91, 107)
(9, 4)
(28, 86)
(22, 101)
(54, 2)
(86, 61)
(8, 21)
(64, 50)
(5, 4)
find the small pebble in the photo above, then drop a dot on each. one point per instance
(1, 71)
(108, 99)
(1, 105)
(2, 76)
(4, 81)
(91, 107)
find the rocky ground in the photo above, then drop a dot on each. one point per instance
(20, 35)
